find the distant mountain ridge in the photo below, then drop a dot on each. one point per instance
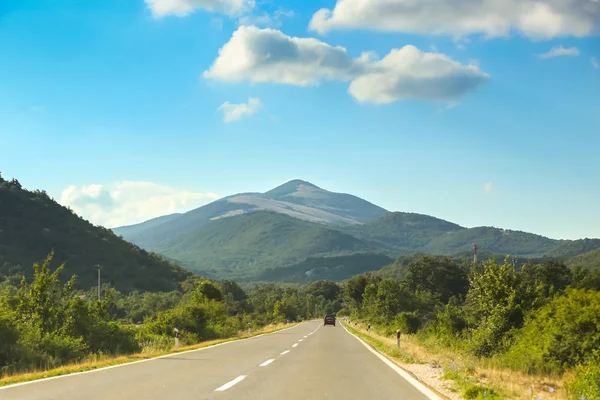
(296, 198)
(243, 236)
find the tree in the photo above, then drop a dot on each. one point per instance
(441, 275)
(543, 281)
(207, 290)
(494, 305)
(563, 333)
(327, 289)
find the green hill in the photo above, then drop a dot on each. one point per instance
(244, 245)
(402, 233)
(589, 260)
(32, 225)
(570, 248)
(336, 268)
(492, 240)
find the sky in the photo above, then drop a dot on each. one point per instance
(477, 112)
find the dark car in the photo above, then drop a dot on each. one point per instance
(329, 320)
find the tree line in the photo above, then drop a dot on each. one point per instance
(542, 318)
(539, 318)
(45, 323)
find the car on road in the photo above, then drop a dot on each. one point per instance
(329, 319)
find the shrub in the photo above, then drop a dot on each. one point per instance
(407, 322)
(584, 382)
(480, 392)
(559, 335)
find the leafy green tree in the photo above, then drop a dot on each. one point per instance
(494, 305)
(540, 282)
(329, 290)
(441, 275)
(563, 333)
(207, 290)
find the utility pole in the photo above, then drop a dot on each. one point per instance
(475, 253)
(99, 267)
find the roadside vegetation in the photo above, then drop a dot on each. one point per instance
(46, 324)
(496, 330)
(493, 329)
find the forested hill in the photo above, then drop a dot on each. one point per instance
(32, 225)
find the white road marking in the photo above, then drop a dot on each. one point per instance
(283, 353)
(422, 388)
(300, 340)
(295, 344)
(141, 361)
(305, 336)
(230, 384)
(267, 363)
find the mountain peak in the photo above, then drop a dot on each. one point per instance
(291, 187)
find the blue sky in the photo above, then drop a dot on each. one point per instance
(116, 107)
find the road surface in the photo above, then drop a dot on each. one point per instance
(308, 361)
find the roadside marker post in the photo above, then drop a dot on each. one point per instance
(176, 331)
(398, 337)
(248, 328)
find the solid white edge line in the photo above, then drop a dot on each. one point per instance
(422, 388)
(141, 361)
(267, 362)
(295, 344)
(283, 353)
(230, 383)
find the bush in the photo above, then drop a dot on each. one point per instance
(560, 335)
(407, 322)
(584, 382)
(480, 392)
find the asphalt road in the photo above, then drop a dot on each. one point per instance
(308, 361)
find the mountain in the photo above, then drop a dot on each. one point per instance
(493, 240)
(349, 208)
(133, 230)
(298, 199)
(299, 227)
(335, 268)
(32, 225)
(589, 260)
(402, 233)
(242, 246)
(570, 248)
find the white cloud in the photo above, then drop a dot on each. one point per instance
(487, 188)
(595, 63)
(181, 8)
(128, 202)
(410, 74)
(560, 51)
(234, 112)
(266, 20)
(540, 19)
(268, 55)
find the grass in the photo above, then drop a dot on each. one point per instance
(464, 369)
(93, 363)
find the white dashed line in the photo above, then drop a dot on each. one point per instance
(230, 384)
(295, 344)
(305, 336)
(283, 353)
(300, 340)
(267, 363)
